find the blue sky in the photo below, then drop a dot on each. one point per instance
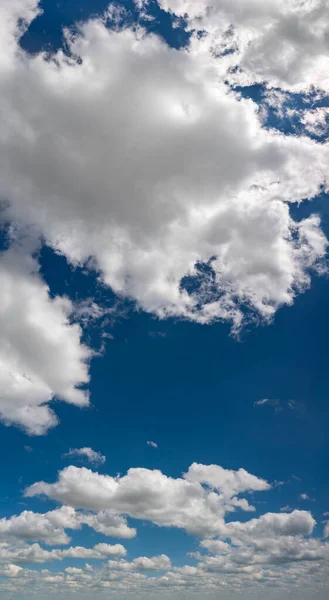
(164, 277)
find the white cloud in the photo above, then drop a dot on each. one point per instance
(152, 496)
(268, 402)
(316, 121)
(152, 444)
(108, 523)
(41, 354)
(240, 570)
(278, 405)
(273, 525)
(142, 563)
(226, 198)
(306, 497)
(91, 455)
(284, 43)
(243, 556)
(326, 530)
(50, 527)
(34, 553)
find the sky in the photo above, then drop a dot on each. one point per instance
(164, 220)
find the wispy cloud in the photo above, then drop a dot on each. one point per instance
(274, 403)
(152, 444)
(279, 404)
(88, 453)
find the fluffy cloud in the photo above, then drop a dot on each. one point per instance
(108, 523)
(152, 496)
(34, 553)
(91, 455)
(244, 554)
(139, 156)
(50, 527)
(284, 43)
(142, 563)
(316, 121)
(273, 525)
(41, 354)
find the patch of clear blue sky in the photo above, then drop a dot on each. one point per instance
(286, 118)
(190, 388)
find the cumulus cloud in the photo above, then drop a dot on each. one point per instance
(88, 453)
(284, 43)
(197, 502)
(50, 527)
(234, 555)
(274, 525)
(34, 553)
(207, 184)
(234, 569)
(108, 523)
(41, 354)
(316, 121)
(142, 563)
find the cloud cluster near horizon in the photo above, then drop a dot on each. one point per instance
(232, 554)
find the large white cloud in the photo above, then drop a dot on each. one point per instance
(152, 496)
(138, 155)
(41, 354)
(48, 527)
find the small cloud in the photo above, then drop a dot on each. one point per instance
(296, 478)
(278, 405)
(286, 508)
(28, 449)
(157, 334)
(306, 497)
(107, 336)
(152, 444)
(274, 403)
(277, 484)
(88, 453)
(87, 311)
(326, 514)
(326, 529)
(293, 405)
